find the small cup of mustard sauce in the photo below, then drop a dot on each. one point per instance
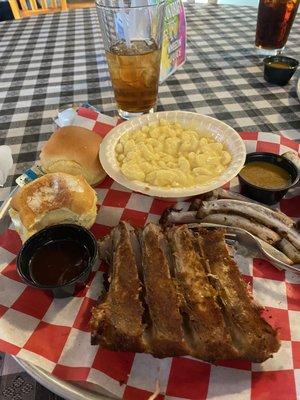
(58, 258)
(266, 177)
(279, 69)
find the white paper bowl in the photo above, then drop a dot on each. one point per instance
(217, 129)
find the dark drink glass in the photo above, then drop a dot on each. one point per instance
(274, 22)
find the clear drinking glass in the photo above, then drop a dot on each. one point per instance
(132, 32)
(274, 21)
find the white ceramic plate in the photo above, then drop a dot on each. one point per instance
(298, 88)
(220, 131)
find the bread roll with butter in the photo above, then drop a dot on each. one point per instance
(73, 150)
(53, 199)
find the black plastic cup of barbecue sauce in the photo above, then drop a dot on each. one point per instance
(279, 69)
(74, 235)
(268, 196)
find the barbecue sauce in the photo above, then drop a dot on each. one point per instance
(265, 175)
(280, 65)
(58, 262)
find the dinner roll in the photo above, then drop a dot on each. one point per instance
(73, 150)
(53, 199)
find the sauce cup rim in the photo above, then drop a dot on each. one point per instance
(35, 236)
(292, 62)
(268, 154)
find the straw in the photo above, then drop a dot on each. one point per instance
(125, 24)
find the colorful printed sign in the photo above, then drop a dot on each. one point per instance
(174, 40)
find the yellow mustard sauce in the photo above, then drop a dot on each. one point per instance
(280, 65)
(265, 175)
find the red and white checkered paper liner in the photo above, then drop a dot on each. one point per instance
(54, 334)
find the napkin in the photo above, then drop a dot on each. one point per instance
(6, 162)
(66, 117)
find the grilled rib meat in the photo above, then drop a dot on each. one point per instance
(208, 334)
(165, 321)
(231, 209)
(178, 292)
(274, 220)
(253, 336)
(116, 322)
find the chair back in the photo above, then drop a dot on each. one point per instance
(28, 8)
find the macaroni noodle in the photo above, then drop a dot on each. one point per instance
(168, 155)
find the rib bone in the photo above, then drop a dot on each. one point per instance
(256, 229)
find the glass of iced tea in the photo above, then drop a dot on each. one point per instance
(132, 32)
(274, 21)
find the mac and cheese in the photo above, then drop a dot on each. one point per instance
(168, 155)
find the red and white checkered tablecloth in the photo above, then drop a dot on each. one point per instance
(54, 333)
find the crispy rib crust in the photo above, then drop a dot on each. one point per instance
(178, 292)
(209, 335)
(165, 331)
(254, 337)
(116, 322)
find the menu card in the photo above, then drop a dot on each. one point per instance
(174, 39)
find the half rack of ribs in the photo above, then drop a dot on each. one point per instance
(177, 292)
